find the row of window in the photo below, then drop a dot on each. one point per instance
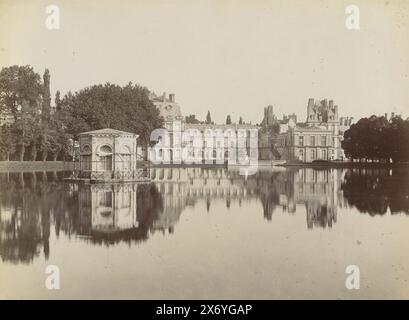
(315, 141)
(316, 154)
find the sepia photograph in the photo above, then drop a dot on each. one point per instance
(204, 150)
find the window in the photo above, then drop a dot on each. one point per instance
(312, 155)
(301, 154)
(312, 140)
(106, 199)
(323, 140)
(86, 162)
(127, 164)
(301, 141)
(324, 154)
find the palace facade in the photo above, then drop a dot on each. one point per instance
(318, 138)
(208, 143)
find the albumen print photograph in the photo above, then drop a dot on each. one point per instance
(205, 150)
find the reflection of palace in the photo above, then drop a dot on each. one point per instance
(33, 205)
(318, 190)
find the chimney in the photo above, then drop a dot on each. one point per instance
(172, 97)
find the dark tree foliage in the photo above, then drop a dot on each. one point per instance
(191, 118)
(46, 103)
(100, 106)
(21, 95)
(228, 120)
(208, 118)
(377, 138)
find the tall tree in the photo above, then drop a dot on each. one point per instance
(7, 142)
(46, 103)
(21, 93)
(208, 118)
(241, 120)
(228, 119)
(57, 101)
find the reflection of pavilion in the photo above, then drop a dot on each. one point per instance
(108, 207)
(123, 211)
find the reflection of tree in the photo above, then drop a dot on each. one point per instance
(27, 201)
(31, 202)
(373, 191)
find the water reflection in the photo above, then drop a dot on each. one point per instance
(375, 191)
(33, 203)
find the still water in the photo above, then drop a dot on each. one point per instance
(195, 233)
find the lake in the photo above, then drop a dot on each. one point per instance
(195, 233)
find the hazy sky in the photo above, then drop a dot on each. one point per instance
(229, 57)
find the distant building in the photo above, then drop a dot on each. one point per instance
(216, 138)
(318, 138)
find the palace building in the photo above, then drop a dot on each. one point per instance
(209, 143)
(318, 138)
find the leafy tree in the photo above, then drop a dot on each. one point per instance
(241, 120)
(7, 142)
(21, 94)
(378, 139)
(228, 119)
(100, 106)
(192, 119)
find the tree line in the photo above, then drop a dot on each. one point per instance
(36, 130)
(378, 139)
(191, 118)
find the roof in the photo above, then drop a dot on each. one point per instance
(108, 131)
(309, 128)
(204, 126)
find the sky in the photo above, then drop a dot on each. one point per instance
(229, 57)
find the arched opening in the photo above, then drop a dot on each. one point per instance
(105, 156)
